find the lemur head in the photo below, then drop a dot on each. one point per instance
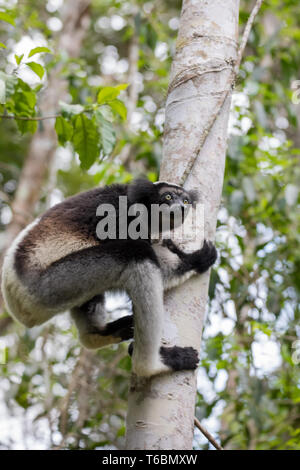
(172, 199)
(175, 196)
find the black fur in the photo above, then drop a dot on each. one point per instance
(89, 266)
(179, 358)
(175, 357)
(77, 215)
(121, 328)
(89, 307)
(142, 191)
(50, 284)
(130, 348)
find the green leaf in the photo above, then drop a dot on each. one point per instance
(119, 107)
(38, 50)
(2, 45)
(86, 140)
(25, 96)
(64, 130)
(20, 101)
(38, 87)
(27, 126)
(121, 431)
(122, 86)
(106, 112)
(38, 69)
(125, 363)
(107, 133)
(107, 94)
(70, 109)
(19, 58)
(10, 82)
(7, 18)
(110, 93)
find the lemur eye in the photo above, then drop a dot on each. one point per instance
(185, 201)
(168, 197)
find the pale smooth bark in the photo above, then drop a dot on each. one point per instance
(161, 410)
(39, 160)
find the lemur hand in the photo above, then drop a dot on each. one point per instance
(200, 260)
(204, 258)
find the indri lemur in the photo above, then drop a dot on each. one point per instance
(58, 263)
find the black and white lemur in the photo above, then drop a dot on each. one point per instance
(58, 263)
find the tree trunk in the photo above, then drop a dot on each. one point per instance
(42, 148)
(161, 410)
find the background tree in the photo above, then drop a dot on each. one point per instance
(248, 382)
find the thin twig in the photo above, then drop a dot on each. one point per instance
(27, 118)
(246, 33)
(207, 434)
(64, 409)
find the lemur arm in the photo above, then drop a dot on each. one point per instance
(177, 266)
(199, 260)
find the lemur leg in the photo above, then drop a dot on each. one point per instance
(93, 330)
(131, 265)
(145, 288)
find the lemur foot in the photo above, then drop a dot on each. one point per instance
(175, 358)
(114, 332)
(122, 328)
(178, 358)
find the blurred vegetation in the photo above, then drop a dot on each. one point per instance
(53, 393)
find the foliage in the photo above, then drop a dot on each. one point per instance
(88, 127)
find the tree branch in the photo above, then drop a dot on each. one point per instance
(246, 34)
(207, 434)
(28, 118)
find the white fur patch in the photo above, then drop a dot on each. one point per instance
(178, 280)
(20, 304)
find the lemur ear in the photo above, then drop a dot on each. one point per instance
(142, 191)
